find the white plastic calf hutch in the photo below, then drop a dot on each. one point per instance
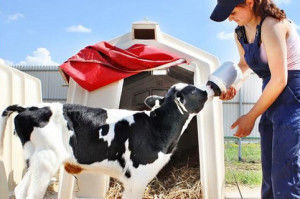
(209, 121)
(16, 88)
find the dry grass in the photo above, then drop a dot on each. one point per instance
(178, 183)
(180, 179)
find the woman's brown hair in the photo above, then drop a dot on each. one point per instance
(264, 8)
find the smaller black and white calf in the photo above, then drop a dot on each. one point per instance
(131, 146)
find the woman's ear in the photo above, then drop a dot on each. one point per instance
(250, 3)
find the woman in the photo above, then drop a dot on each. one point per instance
(268, 43)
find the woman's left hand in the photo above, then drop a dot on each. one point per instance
(245, 125)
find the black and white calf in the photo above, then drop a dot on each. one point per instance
(131, 146)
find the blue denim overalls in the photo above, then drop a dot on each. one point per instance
(279, 128)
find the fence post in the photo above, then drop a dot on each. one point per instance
(240, 114)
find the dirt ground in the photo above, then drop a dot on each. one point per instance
(246, 191)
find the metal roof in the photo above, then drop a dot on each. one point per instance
(34, 68)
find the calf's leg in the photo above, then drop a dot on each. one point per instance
(43, 165)
(134, 190)
(22, 188)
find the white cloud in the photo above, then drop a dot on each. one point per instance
(5, 62)
(41, 56)
(225, 36)
(297, 27)
(14, 17)
(78, 28)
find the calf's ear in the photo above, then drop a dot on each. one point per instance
(153, 101)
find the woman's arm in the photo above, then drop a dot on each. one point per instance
(274, 39)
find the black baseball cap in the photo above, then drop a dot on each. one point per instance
(223, 9)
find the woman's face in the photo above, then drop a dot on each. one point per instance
(242, 14)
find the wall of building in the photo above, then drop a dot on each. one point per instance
(54, 88)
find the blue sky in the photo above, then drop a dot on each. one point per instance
(49, 32)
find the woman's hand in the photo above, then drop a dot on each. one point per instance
(245, 125)
(229, 94)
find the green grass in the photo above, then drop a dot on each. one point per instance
(247, 171)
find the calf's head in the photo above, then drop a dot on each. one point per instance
(187, 97)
